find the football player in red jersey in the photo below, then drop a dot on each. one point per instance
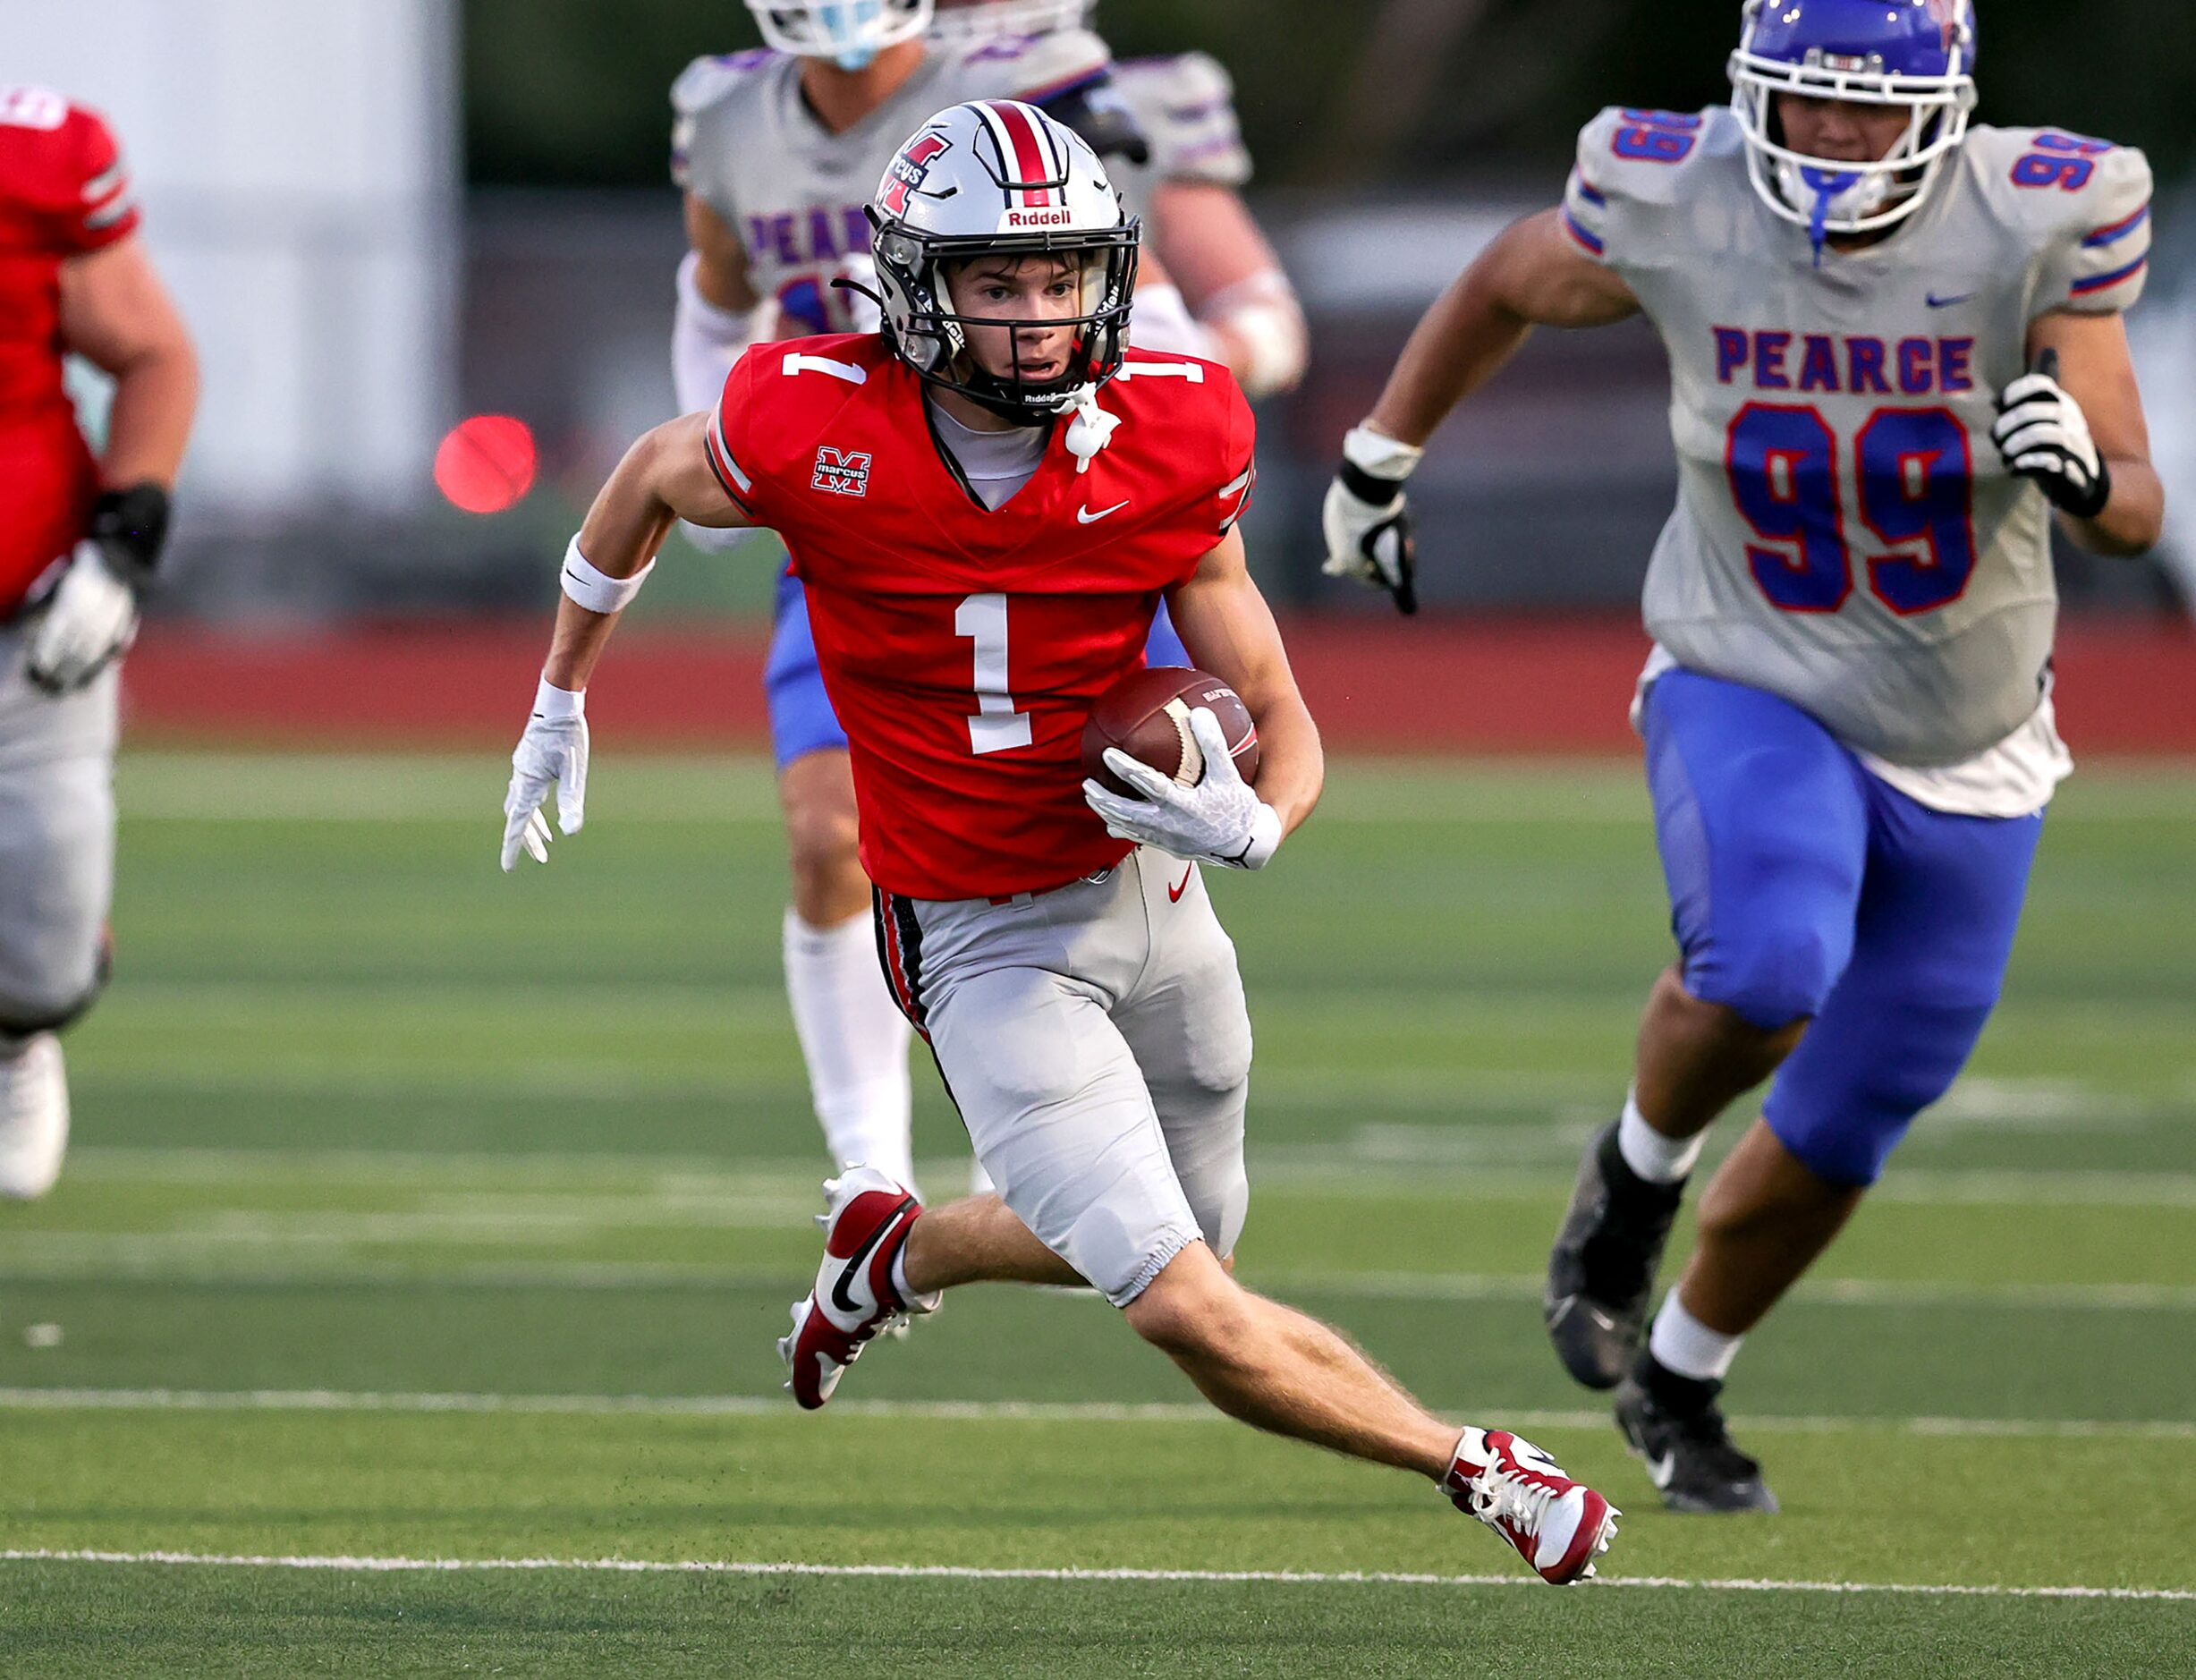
(79, 538)
(984, 543)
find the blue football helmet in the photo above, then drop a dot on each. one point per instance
(850, 33)
(1919, 54)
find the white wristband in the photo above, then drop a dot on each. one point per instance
(597, 591)
(1265, 838)
(1382, 456)
(556, 705)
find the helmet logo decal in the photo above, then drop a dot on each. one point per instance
(912, 167)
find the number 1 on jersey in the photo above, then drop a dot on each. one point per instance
(996, 727)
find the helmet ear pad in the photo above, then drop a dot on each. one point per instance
(912, 295)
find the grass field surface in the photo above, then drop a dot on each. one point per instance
(407, 1305)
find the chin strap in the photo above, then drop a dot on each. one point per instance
(1090, 430)
(1828, 185)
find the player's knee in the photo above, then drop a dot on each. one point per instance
(1777, 976)
(1191, 1310)
(1843, 1132)
(48, 1004)
(822, 847)
(1220, 1198)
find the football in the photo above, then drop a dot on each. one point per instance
(1147, 715)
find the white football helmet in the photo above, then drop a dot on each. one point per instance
(995, 176)
(990, 20)
(848, 32)
(1919, 54)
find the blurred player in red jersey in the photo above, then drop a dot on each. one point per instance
(79, 540)
(984, 544)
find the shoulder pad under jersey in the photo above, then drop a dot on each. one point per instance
(1185, 104)
(69, 170)
(2083, 205)
(701, 92)
(1192, 416)
(1632, 166)
(1032, 68)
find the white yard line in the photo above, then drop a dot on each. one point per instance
(972, 1411)
(956, 1572)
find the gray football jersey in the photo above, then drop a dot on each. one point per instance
(746, 142)
(1185, 105)
(1846, 534)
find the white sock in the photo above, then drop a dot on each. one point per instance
(1684, 1344)
(854, 1040)
(1657, 1159)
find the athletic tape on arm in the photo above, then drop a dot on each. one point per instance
(597, 591)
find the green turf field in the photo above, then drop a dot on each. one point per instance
(418, 1215)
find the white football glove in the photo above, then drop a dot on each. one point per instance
(2044, 435)
(553, 751)
(1367, 518)
(1218, 820)
(87, 621)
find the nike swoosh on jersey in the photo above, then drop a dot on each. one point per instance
(1937, 302)
(840, 1298)
(1084, 516)
(1174, 892)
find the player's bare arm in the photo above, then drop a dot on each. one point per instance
(720, 260)
(1532, 275)
(1229, 629)
(1232, 281)
(2095, 373)
(115, 314)
(664, 477)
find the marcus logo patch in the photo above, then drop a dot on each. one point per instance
(842, 472)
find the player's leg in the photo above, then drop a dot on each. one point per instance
(1933, 933)
(852, 1036)
(56, 878)
(1761, 821)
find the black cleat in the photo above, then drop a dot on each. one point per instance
(1603, 1269)
(1674, 1424)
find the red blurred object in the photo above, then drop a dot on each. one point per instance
(485, 463)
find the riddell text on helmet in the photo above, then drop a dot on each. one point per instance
(1039, 218)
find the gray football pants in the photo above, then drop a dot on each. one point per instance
(57, 845)
(1095, 1042)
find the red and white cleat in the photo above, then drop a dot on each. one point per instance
(866, 1224)
(1559, 1526)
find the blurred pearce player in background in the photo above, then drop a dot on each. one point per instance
(1211, 285)
(1896, 346)
(988, 501)
(79, 539)
(777, 150)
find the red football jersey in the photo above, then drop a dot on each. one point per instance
(962, 648)
(63, 191)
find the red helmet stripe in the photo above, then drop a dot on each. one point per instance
(1028, 158)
